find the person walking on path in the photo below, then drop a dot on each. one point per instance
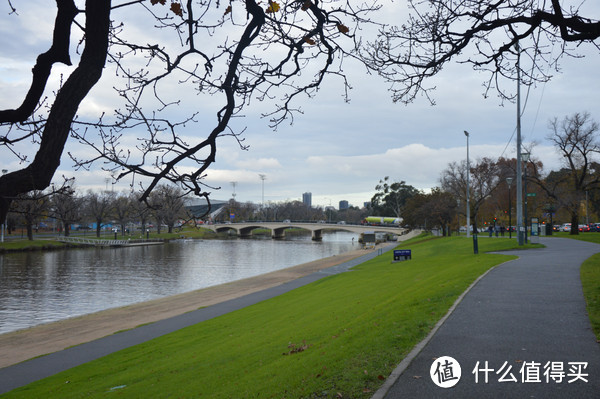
(522, 331)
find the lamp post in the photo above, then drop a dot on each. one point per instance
(525, 156)
(475, 245)
(263, 177)
(4, 171)
(509, 181)
(468, 172)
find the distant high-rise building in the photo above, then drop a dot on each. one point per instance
(343, 204)
(307, 199)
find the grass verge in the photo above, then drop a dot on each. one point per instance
(338, 337)
(26, 245)
(590, 281)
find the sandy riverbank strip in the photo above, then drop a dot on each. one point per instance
(25, 344)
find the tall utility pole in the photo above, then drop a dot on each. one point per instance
(520, 230)
(263, 177)
(5, 171)
(468, 172)
(509, 181)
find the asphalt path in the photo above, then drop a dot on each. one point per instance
(527, 319)
(21, 374)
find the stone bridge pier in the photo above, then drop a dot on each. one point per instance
(317, 235)
(278, 234)
(245, 232)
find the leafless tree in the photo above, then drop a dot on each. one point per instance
(98, 207)
(576, 139)
(485, 35)
(140, 211)
(31, 207)
(229, 53)
(167, 206)
(484, 178)
(66, 206)
(122, 210)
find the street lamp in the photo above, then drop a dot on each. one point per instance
(475, 245)
(468, 172)
(509, 181)
(525, 157)
(4, 171)
(263, 177)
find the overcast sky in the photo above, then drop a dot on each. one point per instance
(337, 150)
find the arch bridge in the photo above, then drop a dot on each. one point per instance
(244, 229)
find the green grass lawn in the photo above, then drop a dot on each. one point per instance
(26, 245)
(338, 337)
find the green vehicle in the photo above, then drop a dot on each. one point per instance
(382, 221)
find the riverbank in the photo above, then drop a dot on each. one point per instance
(24, 344)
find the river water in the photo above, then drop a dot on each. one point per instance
(41, 287)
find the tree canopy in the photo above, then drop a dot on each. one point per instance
(391, 197)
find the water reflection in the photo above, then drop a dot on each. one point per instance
(39, 287)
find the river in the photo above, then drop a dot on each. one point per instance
(45, 286)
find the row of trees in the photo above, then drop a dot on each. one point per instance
(562, 195)
(164, 207)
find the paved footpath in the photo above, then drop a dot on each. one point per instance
(525, 312)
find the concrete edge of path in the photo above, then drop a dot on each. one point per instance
(403, 365)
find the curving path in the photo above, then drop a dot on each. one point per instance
(526, 312)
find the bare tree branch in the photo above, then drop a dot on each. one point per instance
(481, 34)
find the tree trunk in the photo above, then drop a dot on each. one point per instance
(4, 206)
(29, 231)
(574, 223)
(39, 174)
(98, 227)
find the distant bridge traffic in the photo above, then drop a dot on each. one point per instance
(244, 229)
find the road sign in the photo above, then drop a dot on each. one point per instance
(531, 194)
